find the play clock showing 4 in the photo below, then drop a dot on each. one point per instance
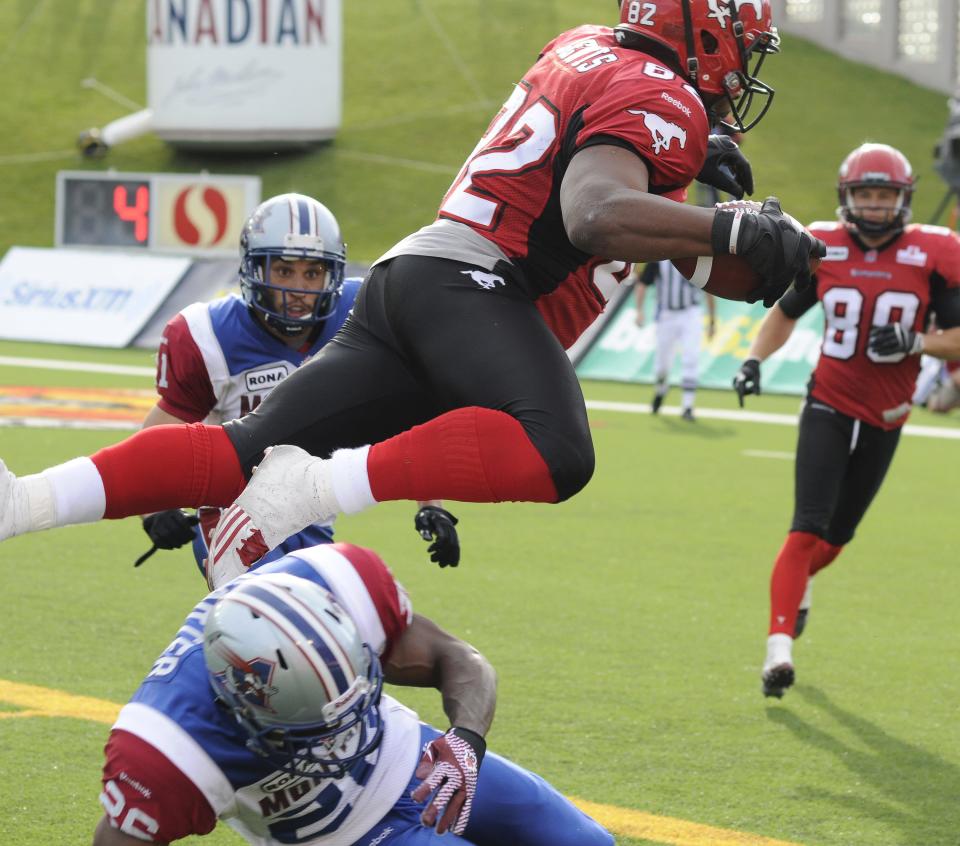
(162, 212)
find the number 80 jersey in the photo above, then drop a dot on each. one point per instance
(861, 288)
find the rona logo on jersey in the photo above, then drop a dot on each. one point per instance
(259, 380)
(662, 131)
(485, 280)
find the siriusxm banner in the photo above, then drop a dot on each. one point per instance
(99, 299)
(625, 352)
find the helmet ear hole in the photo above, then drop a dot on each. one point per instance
(709, 41)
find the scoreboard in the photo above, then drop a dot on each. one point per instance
(184, 213)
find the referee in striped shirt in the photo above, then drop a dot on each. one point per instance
(679, 319)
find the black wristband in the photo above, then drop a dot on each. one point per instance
(720, 233)
(476, 741)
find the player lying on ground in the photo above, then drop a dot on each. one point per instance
(266, 712)
(450, 380)
(879, 283)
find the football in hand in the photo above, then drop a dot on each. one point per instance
(726, 275)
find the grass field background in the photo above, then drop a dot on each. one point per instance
(628, 625)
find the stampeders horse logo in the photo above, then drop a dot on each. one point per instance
(720, 9)
(662, 131)
(485, 280)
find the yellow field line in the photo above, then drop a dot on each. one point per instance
(46, 702)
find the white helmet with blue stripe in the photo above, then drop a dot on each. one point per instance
(288, 662)
(291, 227)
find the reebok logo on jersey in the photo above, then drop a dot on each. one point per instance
(673, 101)
(260, 380)
(485, 280)
(381, 837)
(912, 255)
(662, 131)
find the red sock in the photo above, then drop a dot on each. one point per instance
(169, 467)
(469, 455)
(823, 556)
(789, 580)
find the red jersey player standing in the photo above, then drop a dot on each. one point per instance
(450, 378)
(879, 283)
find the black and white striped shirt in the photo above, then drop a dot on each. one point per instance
(674, 292)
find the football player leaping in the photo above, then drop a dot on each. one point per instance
(217, 361)
(450, 380)
(266, 712)
(878, 284)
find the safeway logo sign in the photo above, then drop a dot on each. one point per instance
(661, 131)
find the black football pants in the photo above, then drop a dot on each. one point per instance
(840, 465)
(428, 335)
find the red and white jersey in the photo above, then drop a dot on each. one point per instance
(861, 288)
(176, 761)
(585, 89)
(217, 363)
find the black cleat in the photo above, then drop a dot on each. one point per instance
(655, 403)
(777, 679)
(688, 415)
(801, 623)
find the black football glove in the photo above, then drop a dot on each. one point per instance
(726, 168)
(168, 530)
(773, 243)
(747, 380)
(437, 524)
(893, 338)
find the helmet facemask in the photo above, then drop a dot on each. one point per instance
(289, 665)
(748, 98)
(326, 749)
(291, 227)
(278, 304)
(711, 47)
(875, 166)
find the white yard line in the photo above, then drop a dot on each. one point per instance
(451, 48)
(756, 417)
(57, 423)
(768, 453)
(394, 161)
(80, 366)
(110, 93)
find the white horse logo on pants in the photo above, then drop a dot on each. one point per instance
(662, 131)
(485, 280)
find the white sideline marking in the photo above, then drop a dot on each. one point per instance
(58, 423)
(768, 453)
(82, 366)
(756, 417)
(451, 48)
(393, 161)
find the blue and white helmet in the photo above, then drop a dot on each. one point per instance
(291, 227)
(288, 662)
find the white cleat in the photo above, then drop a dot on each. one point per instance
(289, 491)
(14, 505)
(778, 673)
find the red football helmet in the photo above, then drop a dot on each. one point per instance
(875, 165)
(711, 43)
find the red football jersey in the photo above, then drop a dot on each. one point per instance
(862, 288)
(584, 89)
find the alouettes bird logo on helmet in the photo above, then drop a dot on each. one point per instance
(250, 680)
(662, 131)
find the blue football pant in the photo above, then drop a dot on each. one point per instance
(512, 807)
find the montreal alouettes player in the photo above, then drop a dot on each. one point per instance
(266, 712)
